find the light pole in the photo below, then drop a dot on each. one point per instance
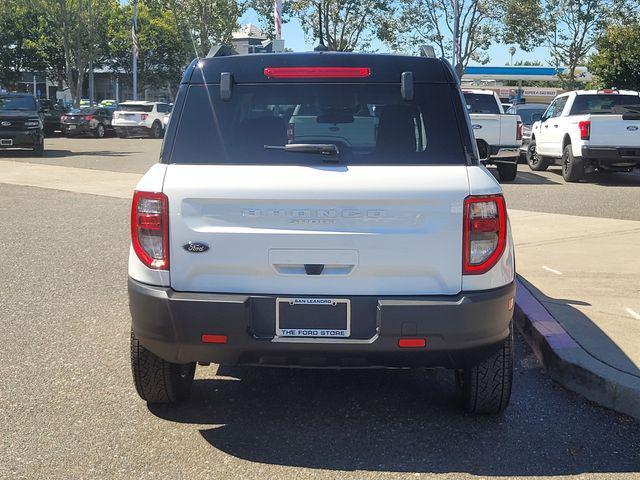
(456, 34)
(91, 88)
(512, 52)
(134, 42)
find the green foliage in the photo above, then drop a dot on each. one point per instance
(617, 61)
(524, 24)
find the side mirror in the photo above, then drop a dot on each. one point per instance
(483, 150)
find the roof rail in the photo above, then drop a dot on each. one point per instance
(221, 51)
(427, 51)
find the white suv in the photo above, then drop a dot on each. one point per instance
(140, 118)
(250, 247)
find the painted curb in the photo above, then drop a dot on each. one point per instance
(567, 362)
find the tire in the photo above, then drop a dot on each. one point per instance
(99, 131)
(156, 130)
(486, 387)
(507, 171)
(572, 167)
(535, 162)
(156, 380)
(38, 150)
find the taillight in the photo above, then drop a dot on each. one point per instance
(608, 91)
(519, 130)
(291, 129)
(484, 233)
(88, 118)
(150, 229)
(585, 129)
(63, 118)
(317, 72)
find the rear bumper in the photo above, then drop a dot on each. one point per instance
(460, 330)
(80, 129)
(611, 155)
(500, 154)
(131, 130)
(22, 139)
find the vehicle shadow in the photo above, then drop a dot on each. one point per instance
(401, 421)
(527, 178)
(605, 179)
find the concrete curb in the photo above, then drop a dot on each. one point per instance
(567, 362)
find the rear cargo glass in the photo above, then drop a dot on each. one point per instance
(602, 104)
(369, 124)
(481, 103)
(135, 108)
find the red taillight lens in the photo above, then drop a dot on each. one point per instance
(412, 342)
(213, 338)
(585, 129)
(317, 72)
(519, 130)
(291, 130)
(88, 118)
(150, 229)
(484, 234)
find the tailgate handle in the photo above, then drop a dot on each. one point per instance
(313, 268)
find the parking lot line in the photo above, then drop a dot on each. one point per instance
(557, 272)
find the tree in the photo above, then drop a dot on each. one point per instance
(162, 56)
(574, 25)
(616, 64)
(432, 22)
(264, 9)
(348, 25)
(523, 24)
(16, 21)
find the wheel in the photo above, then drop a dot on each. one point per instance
(536, 162)
(38, 150)
(486, 387)
(507, 171)
(99, 131)
(156, 130)
(156, 380)
(572, 167)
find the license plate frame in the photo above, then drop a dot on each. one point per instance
(6, 142)
(310, 332)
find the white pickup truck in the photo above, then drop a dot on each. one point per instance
(587, 131)
(500, 134)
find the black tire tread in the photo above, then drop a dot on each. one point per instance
(155, 379)
(575, 171)
(543, 163)
(487, 386)
(507, 172)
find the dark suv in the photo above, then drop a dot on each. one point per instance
(21, 123)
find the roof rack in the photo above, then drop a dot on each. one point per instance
(221, 51)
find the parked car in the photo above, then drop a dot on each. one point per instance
(529, 113)
(250, 250)
(112, 104)
(587, 131)
(52, 112)
(21, 123)
(499, 134)
(140, 118)
(96, 121)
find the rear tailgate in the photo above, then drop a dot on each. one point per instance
(495, 129)
(375, 229)
(614, 131)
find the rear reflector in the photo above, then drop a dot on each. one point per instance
(412, 342)
(210, 338)
(317, 72)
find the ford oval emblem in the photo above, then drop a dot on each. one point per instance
(632, 128)
(196, 247)
(6, 124)
(476, 126)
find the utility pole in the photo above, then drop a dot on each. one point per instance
(91, 91)
(134, 40)
(456, 41)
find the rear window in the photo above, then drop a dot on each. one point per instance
(481, 103)
(132, 107)
(369, 124)
(17, 102)
(602, 104)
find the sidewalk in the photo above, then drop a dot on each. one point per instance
(579, 306)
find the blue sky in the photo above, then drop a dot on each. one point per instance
(294, 39)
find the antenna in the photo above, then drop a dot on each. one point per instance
(321, 46)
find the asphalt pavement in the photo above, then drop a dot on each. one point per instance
(69, 408)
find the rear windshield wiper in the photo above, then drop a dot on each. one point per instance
(328, 149)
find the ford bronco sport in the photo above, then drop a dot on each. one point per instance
(252, 248)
